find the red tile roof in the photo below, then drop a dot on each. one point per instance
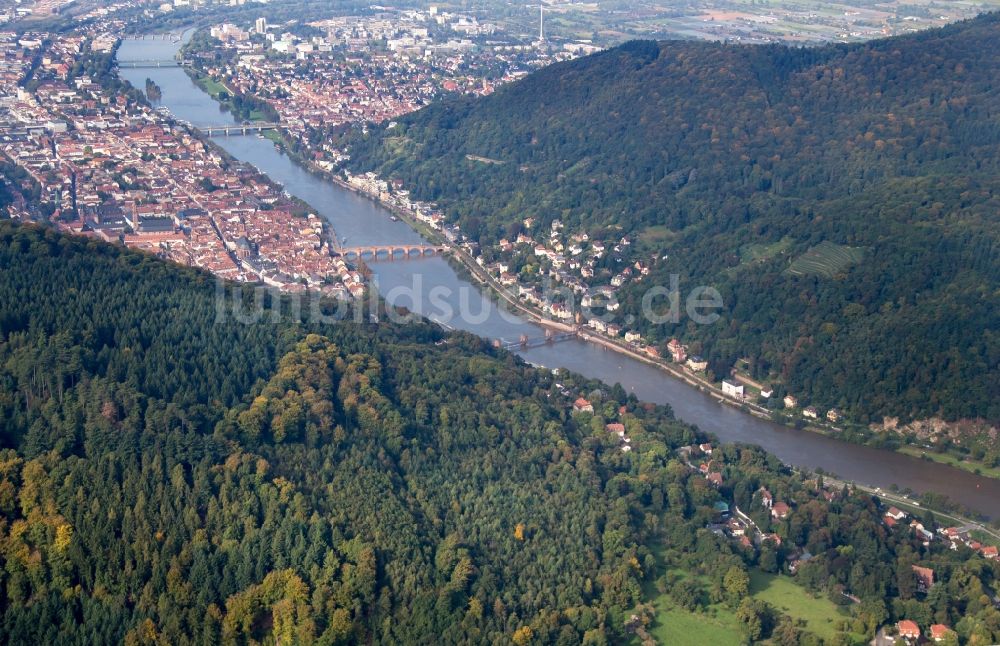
(938, 631)
(908, 628)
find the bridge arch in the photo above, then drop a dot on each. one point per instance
(390, 252)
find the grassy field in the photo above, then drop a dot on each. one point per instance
(674, 625)
(826, 259)
(212, 86)
(952, 460)
(485, 160)
(718, 624)
(656, 235)
(399, 146)
(821, 615)
(761, 252)
(718, 627)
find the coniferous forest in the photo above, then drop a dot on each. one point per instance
(734, 166)
(173, 474)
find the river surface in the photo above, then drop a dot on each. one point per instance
(430, 286)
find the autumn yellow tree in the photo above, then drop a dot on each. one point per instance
(523, 635)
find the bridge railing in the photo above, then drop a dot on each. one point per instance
(391, 252)
(537, 341)
(144, 64)
(229, 129)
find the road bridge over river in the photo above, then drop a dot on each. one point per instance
(391, 252)
(526, 342)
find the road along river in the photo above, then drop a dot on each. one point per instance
(430, 286)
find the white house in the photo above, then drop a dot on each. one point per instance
(732, 388)
(597, 324)
(696, 363)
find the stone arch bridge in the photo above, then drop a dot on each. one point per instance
(391, 252)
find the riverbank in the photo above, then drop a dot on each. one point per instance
(844, 433)
(466, 263)
(470, 267)
(466, 266)
(367, 221)
(952, 460)
(987, 535)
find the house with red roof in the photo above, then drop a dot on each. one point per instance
(581, 405)
(780, 510)
(617, 429)
(908, 630)
(938, 632)
(925, 578)
(895, 514)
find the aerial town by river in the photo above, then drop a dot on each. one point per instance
(97, 159)
(95, 156)
(100, 163)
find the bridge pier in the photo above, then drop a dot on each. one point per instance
(525, 343)
(213, 131)
(379, 253)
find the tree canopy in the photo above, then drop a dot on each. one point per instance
(842, 198)
(171, 474)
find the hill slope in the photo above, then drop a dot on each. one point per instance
(844, 199)
(169, 475)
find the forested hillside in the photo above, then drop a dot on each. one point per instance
(172, 477)
(169, 476)
(844, 199)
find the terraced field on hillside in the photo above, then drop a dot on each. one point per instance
(827, 259)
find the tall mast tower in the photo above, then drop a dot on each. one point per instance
(541, 23)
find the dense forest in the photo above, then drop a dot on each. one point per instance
(842, 198)
(171, 472)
